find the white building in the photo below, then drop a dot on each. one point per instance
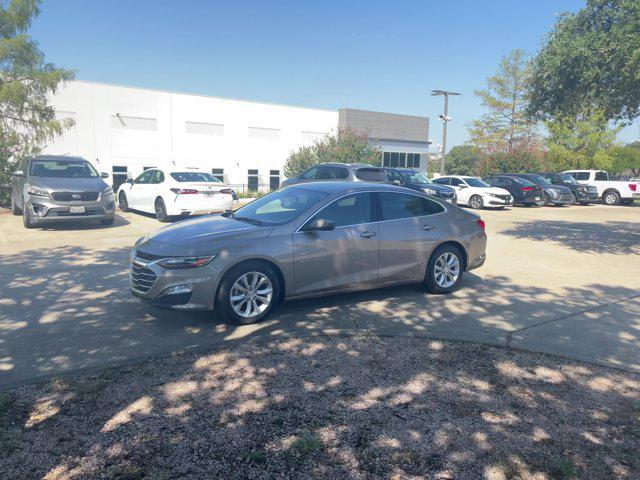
(124, 130)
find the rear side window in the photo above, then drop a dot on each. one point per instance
(350, 210)
(371, 174)
(602, 176)
(456, 182)
(332, 173)
(581, 175)
(399, 205)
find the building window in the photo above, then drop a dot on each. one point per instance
(218, 173)
(252, 180)
(264, 133)
(119, 176)
(413, 160)
(201, 128)
(398, 159)
(274, 179)
(133, 123)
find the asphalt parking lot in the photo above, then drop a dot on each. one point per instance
(557, 280)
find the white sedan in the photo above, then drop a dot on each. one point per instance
(475, 193)
(168, 194)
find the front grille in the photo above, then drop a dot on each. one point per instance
(75, 196)
(142, 278)
(447, 194)
(566, 198)
(503, 197)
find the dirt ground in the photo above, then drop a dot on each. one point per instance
(330, 407)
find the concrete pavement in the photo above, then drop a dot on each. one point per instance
(557, 280)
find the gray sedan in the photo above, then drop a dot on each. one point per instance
(307, 240)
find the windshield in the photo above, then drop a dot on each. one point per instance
(194, 177)
(476, 182)
(540, 180)
(279, 207)
(63, 169)
(565, 177)
(417, 178)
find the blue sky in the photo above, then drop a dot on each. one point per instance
(375, 55)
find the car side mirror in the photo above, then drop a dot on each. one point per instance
(129, 180)
(18, 173)
(104, 175)
(462, 186)
(319, 225)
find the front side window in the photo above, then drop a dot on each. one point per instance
(350, 210)
(456, 182)
(442, 181)
(400, 205)
(53, 168)
(183, 177)
(144, 177)
(393, 176)
(418, 178)
(157, 177)
(566, 178)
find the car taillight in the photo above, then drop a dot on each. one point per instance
(526, 189)
(184, 191)
(480, 223)
(228, 191)
(633, 187)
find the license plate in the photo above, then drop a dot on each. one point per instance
(537, 199)
(79, 209)
(450, 200)
(209, 194)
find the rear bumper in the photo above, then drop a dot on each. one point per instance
(199, 206)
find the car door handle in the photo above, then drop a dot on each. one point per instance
(368, 234)
(426, 228)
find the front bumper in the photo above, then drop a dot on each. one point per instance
(45, 210)
(586, 196)
(196, 287)
(497, 202)
(564, 199)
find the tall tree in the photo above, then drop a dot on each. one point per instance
(26, 81)
(626, 158)
(463, 160)
(590, 60)
(505, 127)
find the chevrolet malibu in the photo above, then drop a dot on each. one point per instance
(307, 240)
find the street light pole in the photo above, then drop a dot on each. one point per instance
(445, 119)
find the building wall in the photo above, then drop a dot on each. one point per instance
(137, 128)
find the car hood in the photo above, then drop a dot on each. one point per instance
(436, 187)
(204, 231)
(69, 184)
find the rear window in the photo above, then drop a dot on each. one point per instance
(194, 177)
(523, 181)
(371, 174)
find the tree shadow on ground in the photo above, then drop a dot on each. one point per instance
(74, 224)
(331, 408)
(619, 238)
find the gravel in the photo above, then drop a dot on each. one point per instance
(334, 407)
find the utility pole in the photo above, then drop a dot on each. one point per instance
(445, 119)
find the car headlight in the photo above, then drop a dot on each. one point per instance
(38, 192)
(185, 262)
(429, 191)
(107, 191)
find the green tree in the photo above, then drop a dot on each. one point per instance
(590, 60)
(626, 158)
(26, 81)
(585, 141)
(521, 160)
(345, 146)
(505, 127)
(463, 160)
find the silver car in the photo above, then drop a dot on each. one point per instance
(307, 240)
(50, 188)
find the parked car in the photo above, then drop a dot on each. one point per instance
(583, 194)
(523, 191)
(307, 240)
(611, 192)
(475, 193)
(346, 172)
(173, 193)
(50, 188)
(416, 180)
(557, 195)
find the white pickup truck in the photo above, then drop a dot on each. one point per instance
(611, 192)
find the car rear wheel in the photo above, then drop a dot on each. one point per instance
(123, 203)
(161, 211)
(544, 200)
(248, 293)
(476, 202)
(445, 269)
(611, 198)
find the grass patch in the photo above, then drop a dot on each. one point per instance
(257, 456)
(567, 470)
(5, 402)
(306, 443)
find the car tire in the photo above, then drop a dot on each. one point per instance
(436, 279)
(161, 210)
(14, 208)
(123, 203)
(228, 302)
(27, 219)
(476, 202)
(543, 201)
(611, 197)
(108, 221)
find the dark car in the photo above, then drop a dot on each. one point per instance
(345, 172)
(524, 192)
(583, 194)
(557, 195)
(416, 180)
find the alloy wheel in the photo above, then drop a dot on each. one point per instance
(447, 269)
(611, 198)
(251, 294)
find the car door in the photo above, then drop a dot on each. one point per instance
(18, 182)
(151, 190)
(344, 257)
(410, 227)
(138, 190)
(462, 190)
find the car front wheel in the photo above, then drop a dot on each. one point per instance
(476, 202)
(445, 269)
(248, 293)
(27, 218)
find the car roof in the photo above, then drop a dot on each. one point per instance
(341, 164)
(58, 158)
(348, 187)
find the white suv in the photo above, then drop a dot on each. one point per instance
(475, 193)
(611, 192)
